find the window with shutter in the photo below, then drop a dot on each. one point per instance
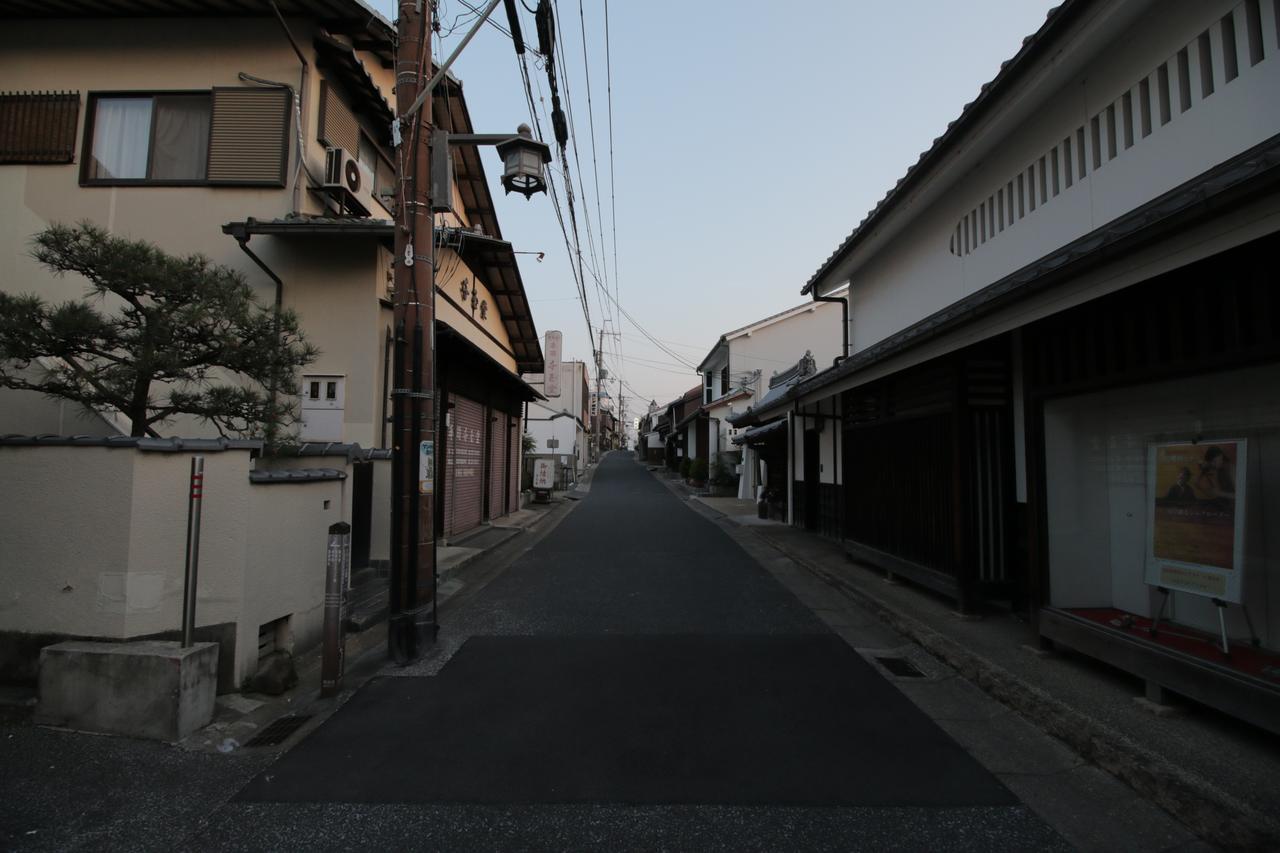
(38, 127)
(249, 136)
(338, 125)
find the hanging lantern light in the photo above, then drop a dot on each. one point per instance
(522, 161)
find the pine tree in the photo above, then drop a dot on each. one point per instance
(156, 336)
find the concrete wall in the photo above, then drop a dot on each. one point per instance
(93, 544)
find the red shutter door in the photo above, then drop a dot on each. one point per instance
(513, 453)
(498, 465)
(464, 500)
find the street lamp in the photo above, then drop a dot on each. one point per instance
(522, 160)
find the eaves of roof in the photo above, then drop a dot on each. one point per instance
(340, 59)
(1244, 178)
(354, 18)
(1033, 47)
(327, 226)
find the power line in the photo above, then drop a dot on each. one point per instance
(591, 119)
(613, 197)
(568, 95)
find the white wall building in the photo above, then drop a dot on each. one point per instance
(736, 373)
(559, 425)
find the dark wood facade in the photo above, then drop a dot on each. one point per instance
(927, 467)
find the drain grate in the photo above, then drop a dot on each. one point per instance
(900, 667)
(279, 731)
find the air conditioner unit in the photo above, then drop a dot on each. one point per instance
(349, 181)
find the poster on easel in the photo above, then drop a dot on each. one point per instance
(1195, 517)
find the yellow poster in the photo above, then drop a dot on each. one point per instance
(1196, 517)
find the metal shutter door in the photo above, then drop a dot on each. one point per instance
(513, 454)
(249, 136)
(498, 465)
(464, 500)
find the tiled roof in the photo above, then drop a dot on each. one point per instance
(296, 475)
(153, 445)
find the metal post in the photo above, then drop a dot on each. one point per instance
(194, 501)
(337, 564)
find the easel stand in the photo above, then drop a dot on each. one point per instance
(1222, 620)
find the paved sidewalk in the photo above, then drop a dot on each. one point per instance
(1220, 778)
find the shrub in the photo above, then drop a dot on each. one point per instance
(698, 470)
(684, 467)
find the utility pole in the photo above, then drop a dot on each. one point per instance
(598, 419)
(414, 450)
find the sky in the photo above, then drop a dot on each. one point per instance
(748, 140)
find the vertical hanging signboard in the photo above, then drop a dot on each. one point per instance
(1195, 517)
(551, 374)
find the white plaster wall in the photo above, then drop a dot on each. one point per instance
(64, 539)
(158, 539)
(284, 565)
(779, 345)
(1096, 457)
(93, 543)
(915, 275)
(25, 413)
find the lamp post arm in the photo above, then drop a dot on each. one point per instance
(444, 67)
(480, 138)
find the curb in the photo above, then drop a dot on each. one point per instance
(1199, 805)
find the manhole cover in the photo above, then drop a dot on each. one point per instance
(279, 731)
(900, 667)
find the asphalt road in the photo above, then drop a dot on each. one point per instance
(633, 681)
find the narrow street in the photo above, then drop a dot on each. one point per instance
(634, 680)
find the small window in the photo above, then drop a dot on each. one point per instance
(38, 127)
(160, 138)
(314, 391)
(331, 390)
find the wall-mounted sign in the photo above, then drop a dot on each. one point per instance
(1195, 517)
(426, 467)
(551, 374)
